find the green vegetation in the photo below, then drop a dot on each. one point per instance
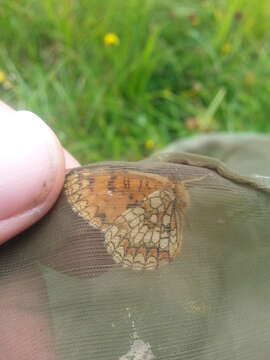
(118, 79)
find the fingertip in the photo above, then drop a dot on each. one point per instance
(5, 107)
(70, 161)
(32, 169)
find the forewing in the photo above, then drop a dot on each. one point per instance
(100, 196)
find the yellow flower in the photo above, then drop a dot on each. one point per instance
(111, 39)
(3, 77)
(226, 48)
(149, 144)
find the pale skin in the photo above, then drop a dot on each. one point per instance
(26, 142)
(27, 192)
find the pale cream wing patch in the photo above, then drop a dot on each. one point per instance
(146, 236)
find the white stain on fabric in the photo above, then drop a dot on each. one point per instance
(139, 350)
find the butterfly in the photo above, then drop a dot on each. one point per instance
(140, 214)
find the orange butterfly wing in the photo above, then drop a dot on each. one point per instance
(138, 213)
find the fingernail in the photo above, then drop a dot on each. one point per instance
(30, 162)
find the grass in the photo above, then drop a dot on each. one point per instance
(176, 68)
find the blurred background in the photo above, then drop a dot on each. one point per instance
(120, 79)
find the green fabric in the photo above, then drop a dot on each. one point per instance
(211, 303)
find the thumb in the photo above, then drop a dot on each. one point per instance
(32, 171)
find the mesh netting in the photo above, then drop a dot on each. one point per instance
(149, 260)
